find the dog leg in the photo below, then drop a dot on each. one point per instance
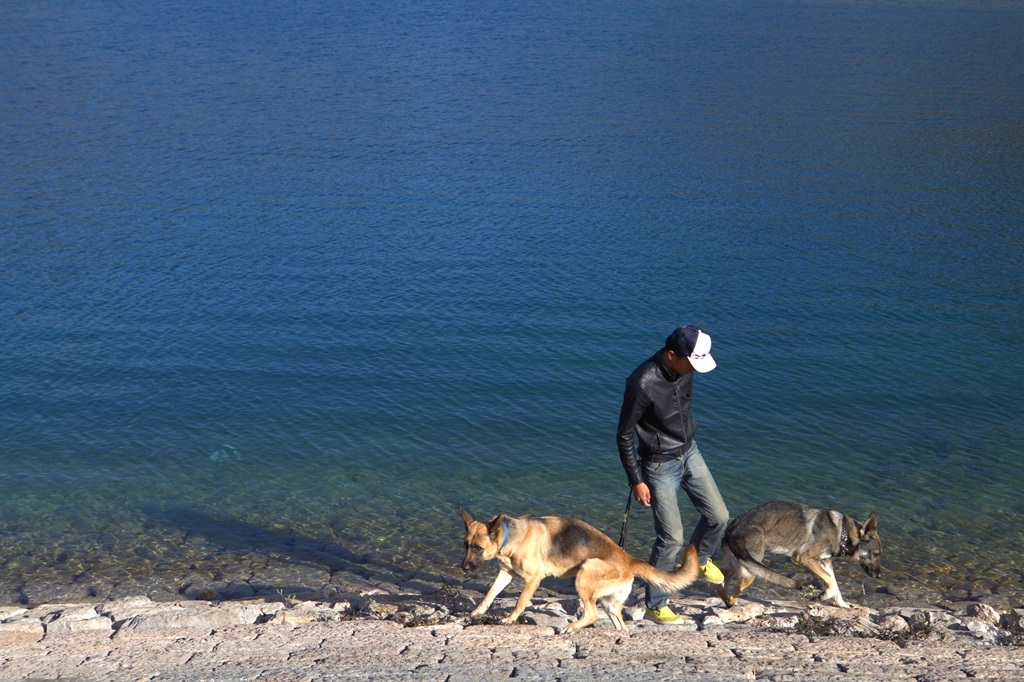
(743, 583)
(612, 604)
(604, 581)
(589, 601)
(833, 587)
(730, 567)
(614, 612)
(823, 569)
(529, 588)
(500, 583)
(744, 579)
(589, 617)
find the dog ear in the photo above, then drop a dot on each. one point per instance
(466, 518)
(494, 527)
(871, 525)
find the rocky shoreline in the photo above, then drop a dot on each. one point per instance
(427, 634)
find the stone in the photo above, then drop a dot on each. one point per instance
(21, 632)
(823, 610)
(986, 632)
(339, 552)
(983, 612)
(304, 613)
(66, 626)
(550, 615)
(205, 590)
(12, 595)
(421, 615)
(894, 623)
(289, 580)
(155, 587)
(923, 619)
(236, 590)
(861, 627)
(418, 587)
(269, 608)
(47, 612)
(209, 618)
(47, 593)
(1014, 622)
(380, 611)
(9, 612)
(779, 622)
(124, 608)
(740, 612)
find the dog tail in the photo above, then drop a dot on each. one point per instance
(676, 580)
(762, 571)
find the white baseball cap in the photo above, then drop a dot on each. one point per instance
(694, 344)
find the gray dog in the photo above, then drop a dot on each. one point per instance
(812, 536)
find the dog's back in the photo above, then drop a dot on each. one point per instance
(568, 542)
(776, 527)
(781, 527)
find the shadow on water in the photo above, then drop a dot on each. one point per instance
(298, 565)
(308, 564)
(234, 535)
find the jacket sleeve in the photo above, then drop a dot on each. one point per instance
(634, 403)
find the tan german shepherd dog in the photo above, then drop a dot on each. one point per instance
(536, 547)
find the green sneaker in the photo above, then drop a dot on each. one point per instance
(711, 573)
(663, 615)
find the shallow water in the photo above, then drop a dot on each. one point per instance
(290, 285)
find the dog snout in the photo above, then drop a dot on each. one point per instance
(468, 564)
(873, 570)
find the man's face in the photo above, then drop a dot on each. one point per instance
(679, 364)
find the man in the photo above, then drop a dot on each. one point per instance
(656, 407)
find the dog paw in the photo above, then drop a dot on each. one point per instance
(837, 601)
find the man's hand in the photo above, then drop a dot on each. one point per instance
(642, 494)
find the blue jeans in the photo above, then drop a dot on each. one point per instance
(664, 479)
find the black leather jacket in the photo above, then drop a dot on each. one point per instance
(656, 406)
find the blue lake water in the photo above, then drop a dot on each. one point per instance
(314, 274)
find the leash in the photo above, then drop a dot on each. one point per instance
(625, 520)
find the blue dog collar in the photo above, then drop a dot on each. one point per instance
(505, 541)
